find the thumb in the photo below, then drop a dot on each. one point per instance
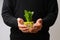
(39, 20)
(20, 20)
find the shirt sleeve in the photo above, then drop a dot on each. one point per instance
(50, 19)
(7, 14)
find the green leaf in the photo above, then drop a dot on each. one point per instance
(28, 15)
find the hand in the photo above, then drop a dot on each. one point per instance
(21, 25)
(37, 26)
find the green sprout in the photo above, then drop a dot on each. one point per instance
(28, 15)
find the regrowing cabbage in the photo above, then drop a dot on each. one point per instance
(28, 15)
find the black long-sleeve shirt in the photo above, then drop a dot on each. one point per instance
(45, 9)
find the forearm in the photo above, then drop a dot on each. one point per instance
(50, 19)
(7, 14)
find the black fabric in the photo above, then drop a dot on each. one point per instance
(45, 9)
(18, 35)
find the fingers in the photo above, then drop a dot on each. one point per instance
(39, 20)
(20, 21)
(21, 25)
(36, 27)
(33, 30)
(23, 28)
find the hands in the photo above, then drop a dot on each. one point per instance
(21, 25)
(36, 27)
